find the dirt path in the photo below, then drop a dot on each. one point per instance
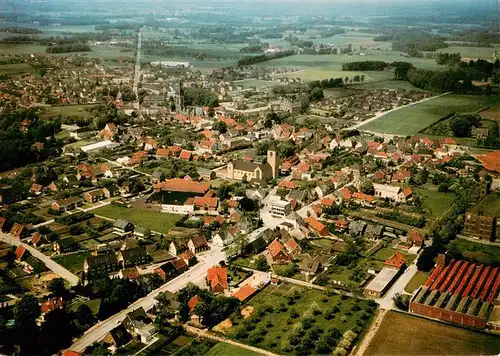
(361, 349)
(207, 335)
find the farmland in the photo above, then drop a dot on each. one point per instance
(281, 311)
(412, 119)
(411, 335)
(153, 220)
(227, 349)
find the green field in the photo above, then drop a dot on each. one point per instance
(18, 68)
(223, 349)
(68, 111)
(156, 221)
(416, 281)
(436, 203)
(253, 83)
(490, 205)
(279, 312)
(412, 119)
(401, 334)
(471, 52)
(476, 251)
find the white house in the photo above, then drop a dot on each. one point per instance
(223, 239)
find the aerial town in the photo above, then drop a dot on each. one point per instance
(161, 207)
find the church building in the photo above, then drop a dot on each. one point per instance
(255, 172)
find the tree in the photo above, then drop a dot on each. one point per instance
(84, 316)
(461, 125)
(304, 104)
(368, 188)
(261, 263)
(316, 94)
(220, 126)
(26, 312)
(247, 204)
(425, 261)
(57, 287)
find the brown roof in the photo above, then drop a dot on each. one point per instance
(183, 185)
(179, 264)
(131, 273)
(491, 161)
(194, 301)
(36, 238)
(199, 241)
(244, 292)
(315, 224)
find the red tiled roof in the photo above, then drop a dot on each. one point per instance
(71, 353)
(217, 275)
(287, 184)
(328, 202)
(397, 260)
(179, 264)
(205, 202)
(36, 238)
(449, 141)
(275, 248)
(186, 155)
(20, 250)
(244, 292)
(51, 304)
(315, 224)
(187, 255)
(415, 237)
(363, 197)
(292, 244)
(131, 273)
(491, 161)
(346, 193)
(407, 192)
(194, 301)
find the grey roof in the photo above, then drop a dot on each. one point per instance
(121, 224)
(135, 253)
(299, 195)
(382, 280)
(309, 265)
(357, 227)
(102, 260)
(374, 230)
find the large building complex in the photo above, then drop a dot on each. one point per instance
(255, 172)
(460, 292)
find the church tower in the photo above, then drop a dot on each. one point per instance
(179, 97)
(273, 160)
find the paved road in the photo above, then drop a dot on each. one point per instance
(194, 275)
(51, 264)
(137, 70)
(398, 287)
(379, 115)
(207, 335)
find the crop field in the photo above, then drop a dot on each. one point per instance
(156, 221)
(412, 119)
(492, 114)
(409, 335)
(472, 52)
(21, 48)
(226, 349)
(253, 83)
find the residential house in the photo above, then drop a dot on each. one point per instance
(133, 257)
(94, 196)
(309, 266)
(396, 261)
(177, 247)
(36, 189)
(188, 257)
(223, 238)
(67, 204)
(123, 227)
(19, 231)
(374, 231)
(103, 263)
(180, 265)
(139, 325)
(415, 238)
(206, 174)
(2, 223)
(131, 273)
(363, 199)
(111, 191)
(244, 293)
(65, 245)
(217, 279)
(198, 244)
(9, 194)
(317, 227)
(277, 253)
(293, 247)
(36, 238)
(401, 176)
(357, 228)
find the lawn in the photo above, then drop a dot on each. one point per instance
(226, 349)
(401, 334)
(416, 281)
(415, 118)
(281, 312)
(68, 111)
(477, 252)
(490, 205)
(436, 203)
(160, 222)
(472, 52)
(74, 262)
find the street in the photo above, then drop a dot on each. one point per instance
(195, 275)
(51, 264)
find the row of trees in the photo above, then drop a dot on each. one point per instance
(450, 80)
(263, 58)
(68, 48)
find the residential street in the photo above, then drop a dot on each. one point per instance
(51, 264)
(194, 275)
